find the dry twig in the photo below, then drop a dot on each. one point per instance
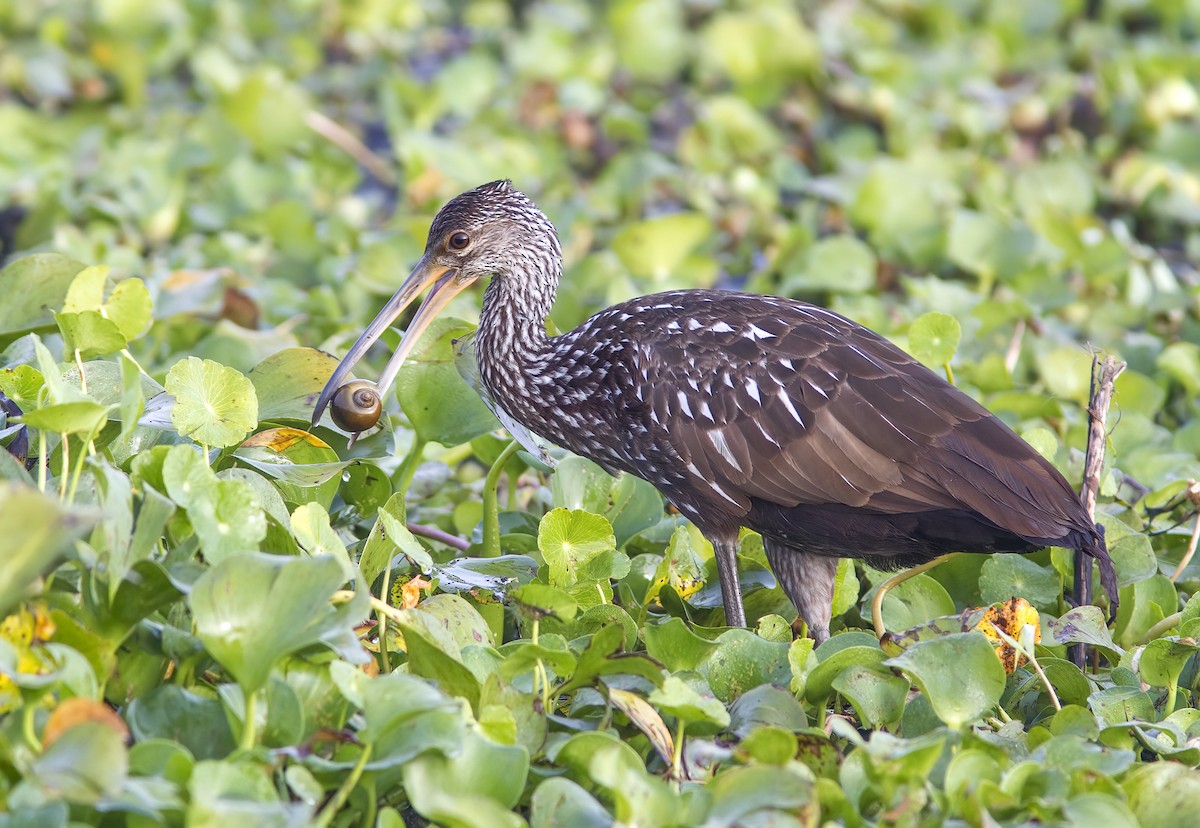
(1104, 375)
(349, 143)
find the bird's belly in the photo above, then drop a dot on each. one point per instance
(885, 540)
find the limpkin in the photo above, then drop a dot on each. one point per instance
(743, 410)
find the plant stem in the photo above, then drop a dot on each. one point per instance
(28, 728)
(384, 661)
(677, 754)
(493, 614)
(434, 533)
(1162, 626)
(1104, 375)
(249, 725)
(43, 461)
(491, 502)
(76, 475)
(65, 472)
(1027, 649)
(1191, 547)
(344, 790)
(408, 467)
(79, 365)
(895, 581)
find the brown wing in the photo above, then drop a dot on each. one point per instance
(792, 404)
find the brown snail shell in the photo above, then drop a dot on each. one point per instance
(356, 406)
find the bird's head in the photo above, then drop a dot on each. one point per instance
(491, 230)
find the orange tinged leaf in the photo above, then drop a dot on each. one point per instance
(1011, 617)
(282, 439)
(77, 711)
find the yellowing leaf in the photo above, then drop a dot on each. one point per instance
(1009, 617)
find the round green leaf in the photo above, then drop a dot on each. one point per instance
(560, 802)
(214, 405)
(31, 286)
(288, 382)
(878, 697)
(934, 337)
(1005, 576)
(569, 540)
(916, 601)
(440, 405)
(958, 673)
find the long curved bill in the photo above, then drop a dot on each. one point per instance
(446, 286)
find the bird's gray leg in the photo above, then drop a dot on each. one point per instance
(731, 590)
(808, 581)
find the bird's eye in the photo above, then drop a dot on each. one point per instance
(458, 241)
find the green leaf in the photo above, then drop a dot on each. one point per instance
(1163, 660)
(305, 469)
(434, 653)
(129, 307)
(89, 333)
(238, 792)
(225, 514)
(758, 795)
(742, 661)
(170, 712)
(476, 787)
(675, 644)
(603, 656)
(1162, 793)
(964, 694)
(1005, 576)
(21, 384)
(440, 405)
(286, 383)
(404, 540)
(1083, 625)
(559, 802)
(840, 264)
(252, 610)
(916, 601)
(655, 247)
(988, 247)
(767, 705)
(82, 417)
(818, 683)
(133, 396)
(310, 526)
(86, 763)
(32, 285)
(878, 697)
(933, 338)
(537, 601)
(37, 532)
(569, 540)
(93, 326)
(214, 405)
(845, 587)
(676, 698)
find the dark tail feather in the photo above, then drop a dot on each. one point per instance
(1095, 547)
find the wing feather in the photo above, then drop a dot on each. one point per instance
(792, 405)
